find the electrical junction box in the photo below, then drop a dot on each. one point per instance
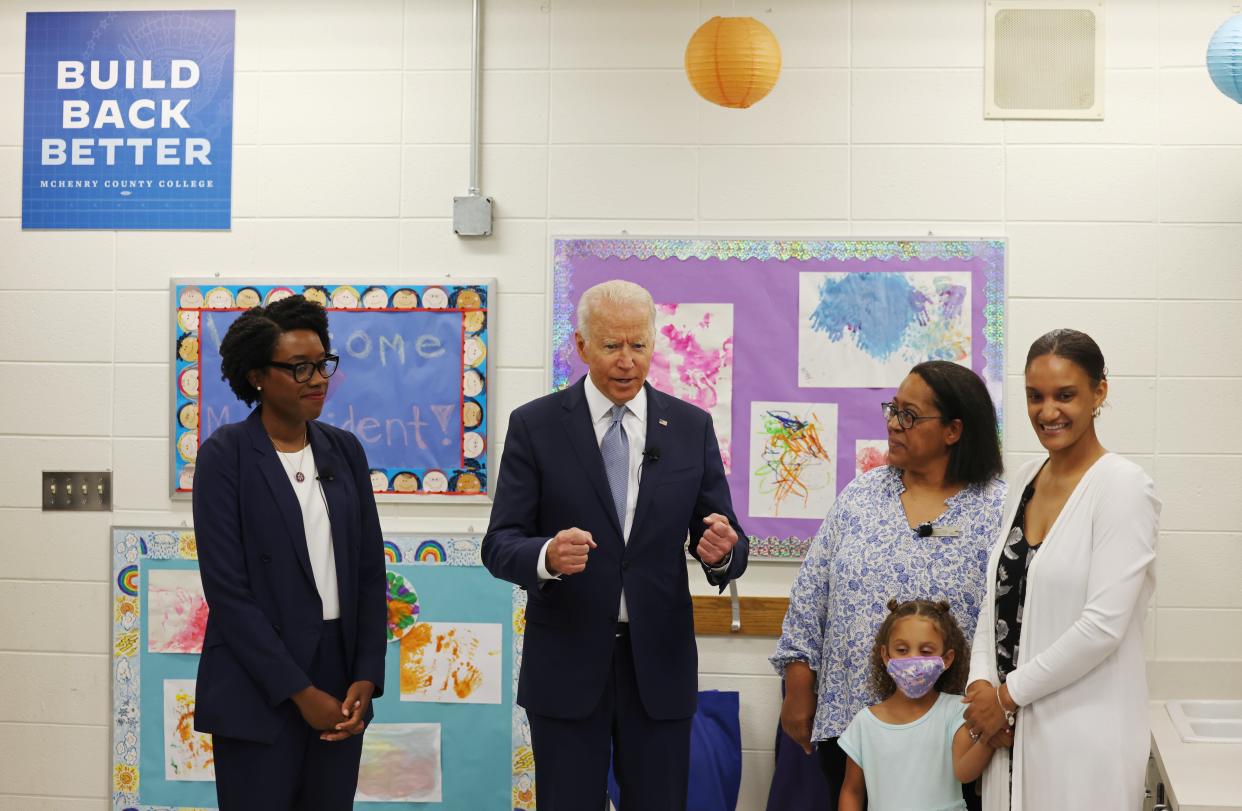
(472, 216)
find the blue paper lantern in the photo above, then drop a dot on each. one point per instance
(1224, 58)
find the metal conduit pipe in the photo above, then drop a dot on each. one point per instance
(472, 214)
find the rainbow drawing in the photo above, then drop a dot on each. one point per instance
(392, 552)
(127, 580)
(430, 552)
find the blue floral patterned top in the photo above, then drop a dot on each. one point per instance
(866, 554)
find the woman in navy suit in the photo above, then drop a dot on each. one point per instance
(292, 563)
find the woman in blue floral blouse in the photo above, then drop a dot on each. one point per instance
(919, 528)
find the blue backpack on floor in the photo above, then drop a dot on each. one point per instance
(715, 755)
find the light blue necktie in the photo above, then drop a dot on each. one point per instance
(616, 452)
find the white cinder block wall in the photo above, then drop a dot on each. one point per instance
(351, 125)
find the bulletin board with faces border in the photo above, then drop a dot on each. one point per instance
(412, 382)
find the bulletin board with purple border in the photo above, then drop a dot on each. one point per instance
(791, 346)
(412, 383)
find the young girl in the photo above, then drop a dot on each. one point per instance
(912, 750)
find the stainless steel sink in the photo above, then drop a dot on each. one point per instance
(1207, 721)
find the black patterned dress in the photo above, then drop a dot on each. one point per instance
(1011, 569)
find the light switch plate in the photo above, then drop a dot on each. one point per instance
(77, 490)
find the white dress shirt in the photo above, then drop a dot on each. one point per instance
(635, 424)
(318, 528)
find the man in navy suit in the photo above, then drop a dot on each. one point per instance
(600, 486)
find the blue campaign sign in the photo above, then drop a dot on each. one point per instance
(398, 386)
(128, 120)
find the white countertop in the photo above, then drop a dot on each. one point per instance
(1200, 776)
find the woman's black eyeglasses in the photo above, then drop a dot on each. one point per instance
(302, 371)
(905, 417)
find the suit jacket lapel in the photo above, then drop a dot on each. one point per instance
(282, 492)
(577, 420)
(652, 472)
(334, 492)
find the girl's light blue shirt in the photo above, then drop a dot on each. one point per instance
(908, 767)
(866, 554)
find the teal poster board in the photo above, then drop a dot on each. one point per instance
(446, 732)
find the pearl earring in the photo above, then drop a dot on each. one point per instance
(258, 388)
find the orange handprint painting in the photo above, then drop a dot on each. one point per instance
(188, 755)
(456, 663)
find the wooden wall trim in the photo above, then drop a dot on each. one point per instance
(761, 616)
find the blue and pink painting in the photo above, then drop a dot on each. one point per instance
(868, 329)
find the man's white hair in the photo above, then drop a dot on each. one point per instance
(615, 293)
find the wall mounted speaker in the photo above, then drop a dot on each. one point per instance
(1044, 59)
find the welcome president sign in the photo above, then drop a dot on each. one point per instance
(128, 120)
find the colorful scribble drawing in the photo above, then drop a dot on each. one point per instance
(869, 454)
(868, 329)
(693, 360)
(793, 471)
(187, 754)
(452, 662)
(176, 611)
(400, 764)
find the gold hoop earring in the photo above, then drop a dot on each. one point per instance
(1097, 411)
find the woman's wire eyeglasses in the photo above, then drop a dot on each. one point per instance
(905, 417)
(302, 371)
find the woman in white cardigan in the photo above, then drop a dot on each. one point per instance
(1058, 651)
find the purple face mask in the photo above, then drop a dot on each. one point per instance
(915, 675)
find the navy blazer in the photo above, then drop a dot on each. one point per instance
(552, 478)
(265, 613)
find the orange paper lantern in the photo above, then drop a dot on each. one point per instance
(733, 61)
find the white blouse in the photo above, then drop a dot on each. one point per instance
(318, 528)
(1082, 738)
